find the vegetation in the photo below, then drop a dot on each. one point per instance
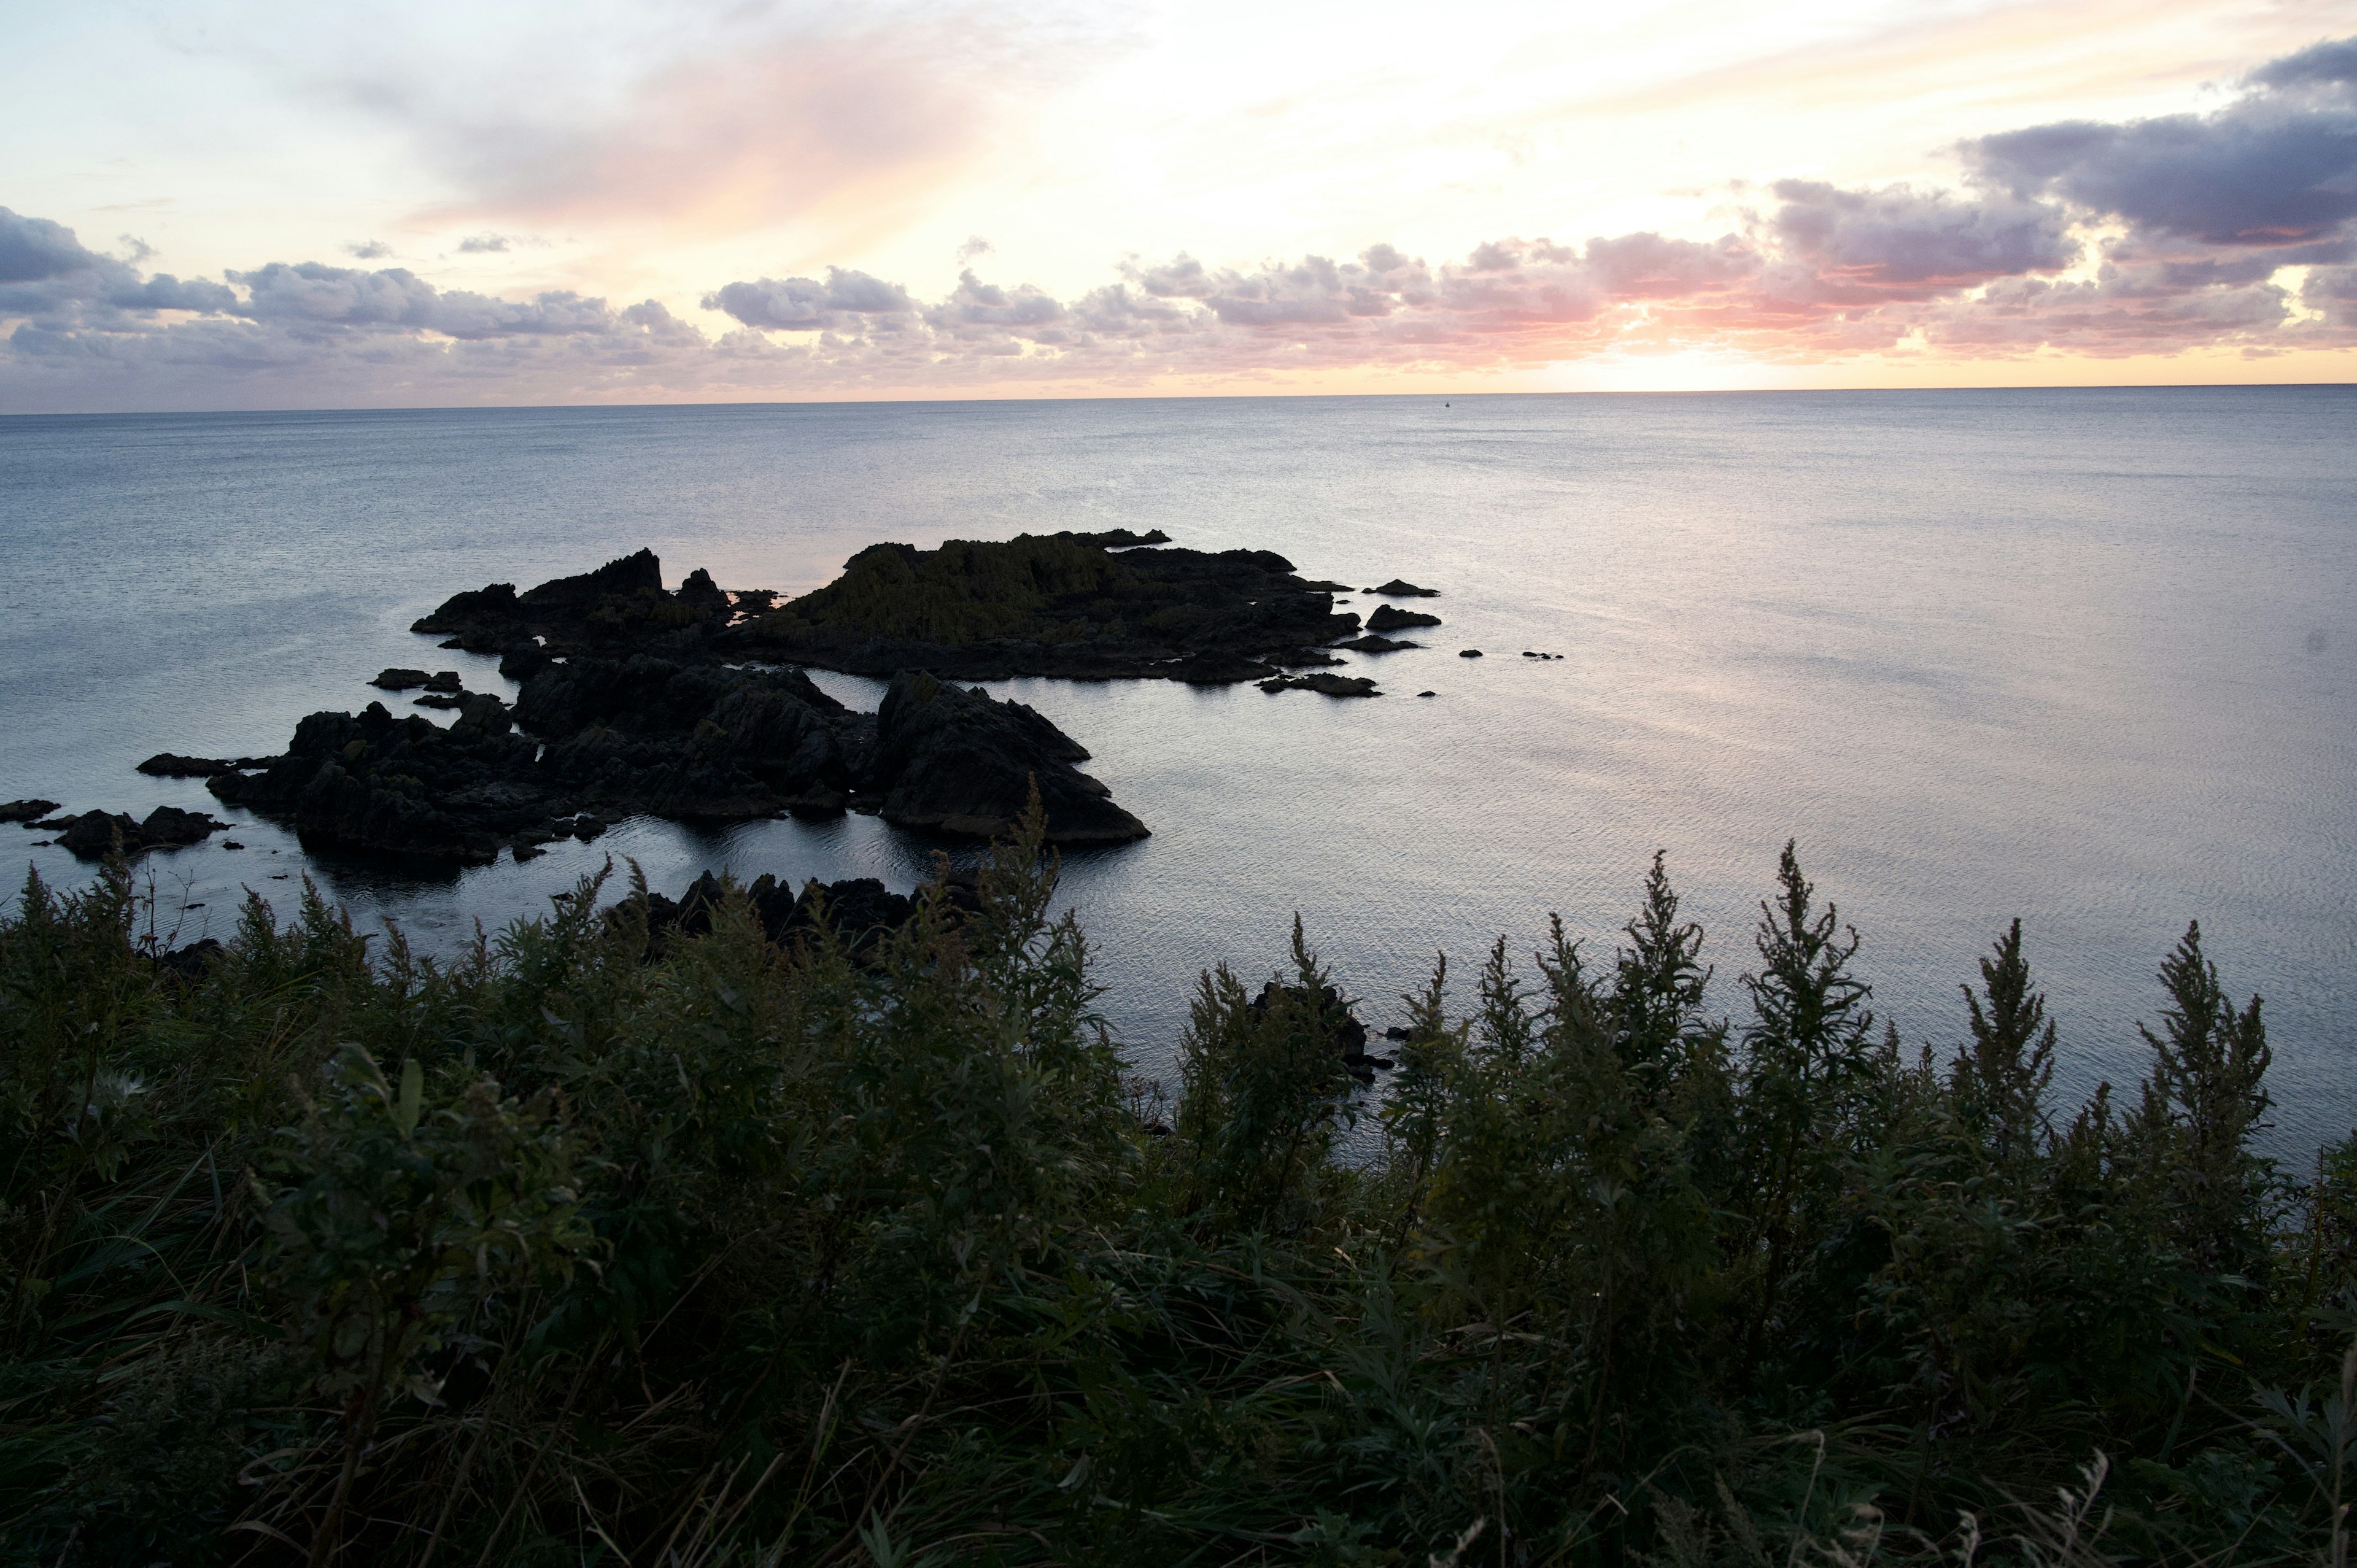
(582, 1248)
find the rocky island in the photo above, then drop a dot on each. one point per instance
(689, 703)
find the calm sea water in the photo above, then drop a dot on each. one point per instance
(2089, 658)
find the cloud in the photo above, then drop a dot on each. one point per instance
(809, 117)
(2276, 166)
(974, 246)
(843, 302)
(369, 250)
(2075, 239)
(480, 244)
(138, 249)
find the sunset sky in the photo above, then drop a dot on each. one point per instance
(260, 204)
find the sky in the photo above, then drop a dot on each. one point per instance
(257, 204)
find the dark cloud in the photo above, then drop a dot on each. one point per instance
(805, 304)
(2331, 63)
(1903, 243)
(2276, 166)
(137, 248)
(33, 250)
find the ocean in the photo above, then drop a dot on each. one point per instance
(2088, 657)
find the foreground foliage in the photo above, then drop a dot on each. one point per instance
(589, 1247)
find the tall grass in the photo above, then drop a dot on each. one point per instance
(588, 1247)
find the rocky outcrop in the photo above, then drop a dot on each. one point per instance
(1400, 589)
(1056, 605)
(609, 738)
(1391, 618)
(860, 911)
(963, 763)
(1324, 684)
(1374, 643)
(1334, 1020)
(25, 811)
(94, 834)
(398, 679)
(171, 765)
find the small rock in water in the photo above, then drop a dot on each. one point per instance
(1428, 694)
(26, 811)
(439, 700)
(1371, 643)
(399, 680)
(1401, 589)
(1391, 618)
(445, 680)
(171, 765)
(1324, 684)
(232, 843)
(1469, 653)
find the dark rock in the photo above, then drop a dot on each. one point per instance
(1428, 694)
(95, 833)
(1335, 1022)
(232, 843)
(961, 762)
(1399, 588)
(618, 606)
(25, 811)
(754, 601)
(1053, 604)
(860, 911)
(1391, 618)
(438, 699)
(1370, 644)
(1305, 658)
(171, 765)
(1396, 1033)
(188, 964)
(1216, 670)
(1118, 539)
(400, 680)
(522, 660)
(1324, 684)
(446, 682)
(1469, 653)
(703, 596)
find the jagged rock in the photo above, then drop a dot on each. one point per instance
(860, 910)
(1335, 1021)
(1324, 684)
(1391, 618)
(1400, 589)
(1216, 670)
(398, 679)
(961, 762)
(171, 765)
(188, 964)
(522, 660)
(95, 833)
(26, 811)
(1371, 643)
(446, 682)
(1055, 605)
(1118, 539)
